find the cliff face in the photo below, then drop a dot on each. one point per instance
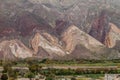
(14, 49)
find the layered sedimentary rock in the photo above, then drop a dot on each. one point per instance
(50, 38)
(73, 36)
(49, 22)
(105, 31)
(100, 27)
(51, 48)
(112, 36)
(14, 49)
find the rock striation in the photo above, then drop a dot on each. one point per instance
(12, 49)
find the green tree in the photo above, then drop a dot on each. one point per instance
(7, 67)
(35, 68)
(73, 78)
(12, 74)
(29, 75)
(4, 77)
(11, 78)
(51, 76)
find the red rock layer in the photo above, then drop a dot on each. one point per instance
(100, 27)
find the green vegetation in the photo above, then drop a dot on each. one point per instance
(4, 77)
(95, 76)
(47, 62)
(7, 69)
(30, 75)
(66, 72)
(36, 67)
(51, 76)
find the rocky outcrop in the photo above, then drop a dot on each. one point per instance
(73, 36)
(112, 36)
(52, 39)
(100, 27)
(11, 49)
(51, 48)
(46, 45)
(104, 31)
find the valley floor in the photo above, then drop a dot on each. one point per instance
(62, 70)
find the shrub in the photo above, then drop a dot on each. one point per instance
(4, 77)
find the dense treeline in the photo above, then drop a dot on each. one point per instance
(79, 71)
(48, 61)
(25, 62)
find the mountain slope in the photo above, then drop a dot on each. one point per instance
(73, 36)
(105, 31)
(100, 27)
(41, 29)
(27, 22)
